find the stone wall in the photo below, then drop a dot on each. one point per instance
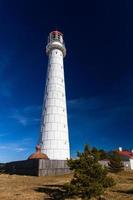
(2, 167)
(24, 167)
(53, 167)
(37, 167)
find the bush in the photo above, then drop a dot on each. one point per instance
(90, 177)
(115, 162)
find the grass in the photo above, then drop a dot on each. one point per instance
(123, 190)
(14, 187)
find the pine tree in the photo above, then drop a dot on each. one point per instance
(90, 178)
(103, 154)
(115, 162)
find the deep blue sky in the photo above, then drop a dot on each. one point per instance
(98, 72)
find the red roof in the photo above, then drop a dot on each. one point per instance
(126, 153)
(57, 32)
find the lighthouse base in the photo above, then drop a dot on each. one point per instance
(37, 167)
(52, 167)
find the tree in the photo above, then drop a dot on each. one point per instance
(95, 151)
(90, 177)
(100, 153)
(115, 162)
(103, 154)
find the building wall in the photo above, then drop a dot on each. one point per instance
(128, 165)
(131, 163)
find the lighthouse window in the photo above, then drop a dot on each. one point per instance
(63, 110)
(56, 52)
(53, 36)
(62, 94)
(64, 126)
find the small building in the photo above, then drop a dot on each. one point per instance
(126, 157)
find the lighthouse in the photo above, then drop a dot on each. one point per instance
(54, 139)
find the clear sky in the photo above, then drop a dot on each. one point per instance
(98, 72)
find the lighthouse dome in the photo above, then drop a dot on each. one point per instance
(38, 154)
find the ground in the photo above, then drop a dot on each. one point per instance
(14, 187)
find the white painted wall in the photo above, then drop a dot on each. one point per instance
(131, 163)
(54, 129)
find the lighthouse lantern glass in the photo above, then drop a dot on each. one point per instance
(56, 36)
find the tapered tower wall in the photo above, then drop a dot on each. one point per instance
(54, 128)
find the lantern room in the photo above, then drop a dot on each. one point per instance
(55, 41)
(55, 36)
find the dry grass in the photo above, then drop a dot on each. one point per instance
(14, 187)
(123, 190)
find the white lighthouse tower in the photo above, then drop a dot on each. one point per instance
(54, 126)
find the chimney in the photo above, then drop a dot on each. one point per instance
(120, 148)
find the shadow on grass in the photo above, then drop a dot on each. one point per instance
(130, 191)
(130, 179)
(55, 192)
